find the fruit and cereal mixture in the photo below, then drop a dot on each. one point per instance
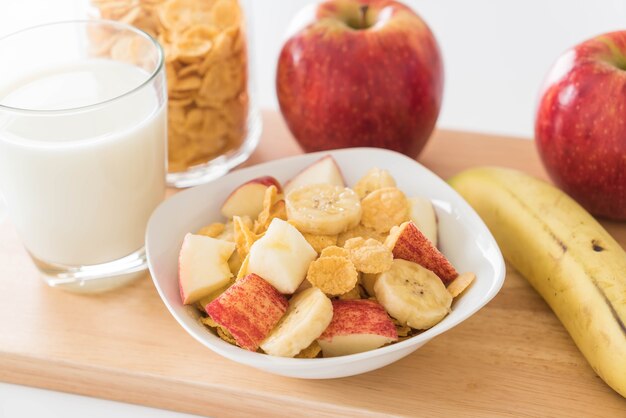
(320, 270)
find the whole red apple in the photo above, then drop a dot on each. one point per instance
(360, 73)
(580, 126)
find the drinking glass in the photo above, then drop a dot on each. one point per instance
(83, 145)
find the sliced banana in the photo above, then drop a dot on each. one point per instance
(308, 315)
(323, 209)
(412, 294)
(374, 179)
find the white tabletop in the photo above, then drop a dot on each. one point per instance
(496, 54)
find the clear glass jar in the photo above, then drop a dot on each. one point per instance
(214, 124)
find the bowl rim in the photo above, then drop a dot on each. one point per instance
(256, 359)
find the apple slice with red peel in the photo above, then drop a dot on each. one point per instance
(407, 242)
(247, 199)
(203, 266)
(424, 217)
(323, 171)
(249, 310)
(358, 325)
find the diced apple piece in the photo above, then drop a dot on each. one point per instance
(202, 266)
(247, 199)
(249, 310)
(282, 256)
(357, 326)
(325, 170)
(424, 217)
(408, 243)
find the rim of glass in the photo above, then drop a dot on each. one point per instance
(118, 25)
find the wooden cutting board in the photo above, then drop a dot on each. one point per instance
(513, 358)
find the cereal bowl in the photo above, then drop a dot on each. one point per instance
(463, 239)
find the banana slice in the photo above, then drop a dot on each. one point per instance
(374, 179)
(412, 294)
(323, 209)
(308, 315)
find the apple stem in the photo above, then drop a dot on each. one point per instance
(363, 16)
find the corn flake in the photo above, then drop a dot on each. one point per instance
(333, 250)
(351, 294)
(243, 269)
(359, 231)
(320, 242)
(273, 207)
(188, 84)
(222, 81)
(194, 43)
(177, 15)
(402, 329)
(462, 282)
(369, 256)
(332, 275)
(229, 229)
(188, 70)
(362, 291)
(225, 335)
(244, 237)
(368, 281)
(311, 351)
(384, 208)
(224, 46)
(209, 322)
(213, 230)
(234, 263)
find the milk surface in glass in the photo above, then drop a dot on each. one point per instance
(80, 185)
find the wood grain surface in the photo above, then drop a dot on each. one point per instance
(513, 358)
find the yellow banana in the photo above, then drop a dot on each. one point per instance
(565, 254)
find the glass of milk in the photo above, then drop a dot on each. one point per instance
(83, 137)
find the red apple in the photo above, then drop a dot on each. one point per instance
(360, 73)
(580, 126)
(247, 199)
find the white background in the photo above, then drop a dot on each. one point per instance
(496, 54)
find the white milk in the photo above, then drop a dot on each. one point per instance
(81, 186)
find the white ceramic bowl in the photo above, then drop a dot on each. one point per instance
(463, 238)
